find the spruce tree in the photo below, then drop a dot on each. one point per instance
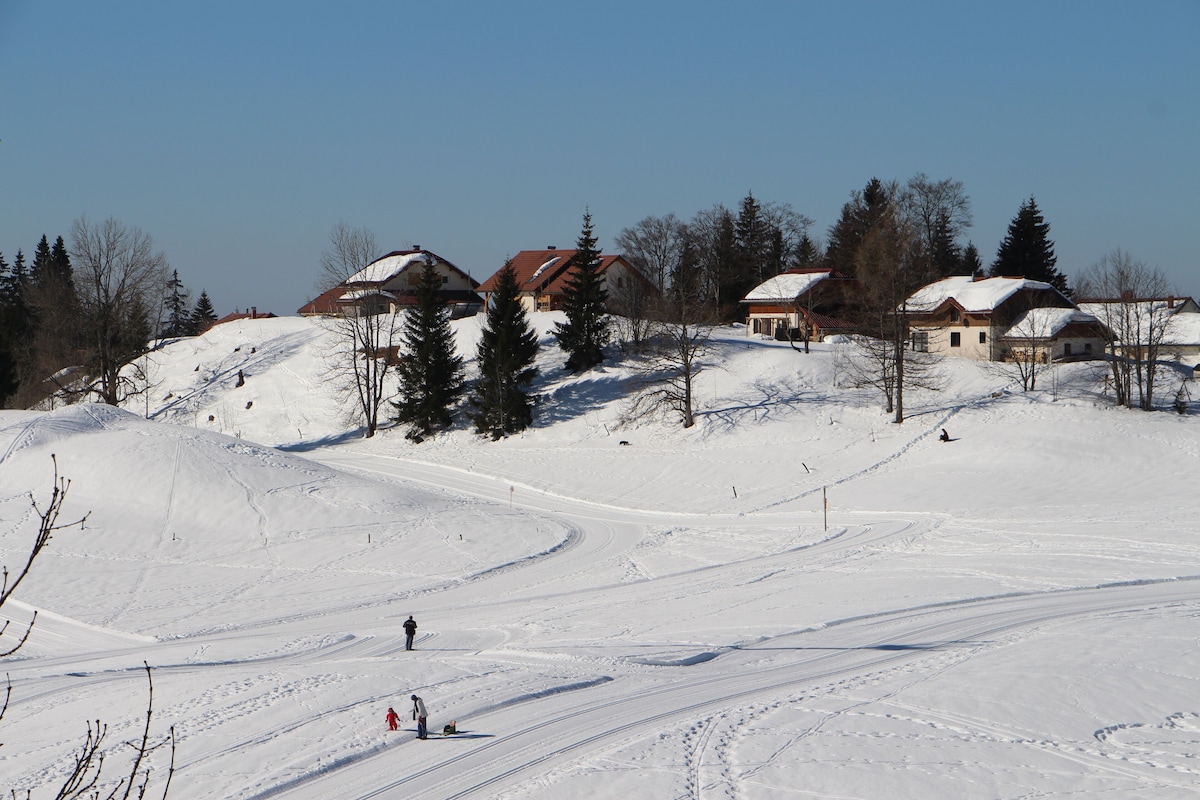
(11, 333)
(431, 373)
(1027, 250)
(585, 332)
(203, 315)
(971, 263)
(500, 402)
(179, 320)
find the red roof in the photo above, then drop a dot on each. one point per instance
(253, 313)
(545, 271)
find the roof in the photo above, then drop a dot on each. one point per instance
(1182, 326)
(387, 267)
(384, 268)
(324, 303)
(970, 294)
(545, 271)
(253, 313)
(1046, 323)
(787, 285)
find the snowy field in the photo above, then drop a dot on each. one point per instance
(1012, 614)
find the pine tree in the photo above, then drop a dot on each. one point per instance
(585, 332)
(971, 263)
(180, 321)
(864, 210)
(11, 333)
(431, 373)
(807, 253)
(500, 402)
(203, 315)
(1027, 250)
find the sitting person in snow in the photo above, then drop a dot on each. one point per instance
(450, 729)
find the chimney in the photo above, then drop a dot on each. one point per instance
(1170, 301)
(253, 312)
(551, 247)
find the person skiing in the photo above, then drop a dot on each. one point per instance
(393, 720)
(421, 716)
(410, 630)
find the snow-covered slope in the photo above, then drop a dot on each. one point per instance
(795, 597)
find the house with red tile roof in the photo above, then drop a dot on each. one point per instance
(542, 276)
(389, 283)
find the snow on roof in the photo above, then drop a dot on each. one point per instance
(358, 294)
(384, 269)
(1045, 323)
(786, 286)
(971, 294)
(1182, 327)
(553, 260)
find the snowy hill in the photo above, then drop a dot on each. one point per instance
(1010, 613)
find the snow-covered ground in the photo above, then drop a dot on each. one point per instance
(1012, 614)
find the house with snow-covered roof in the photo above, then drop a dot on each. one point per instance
(542, 276)
(1173, 321)
(389, 283)
(991, 319)
(801, 304)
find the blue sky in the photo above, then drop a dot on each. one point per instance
(238, 134)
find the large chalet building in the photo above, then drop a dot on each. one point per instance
(389, 283)
(542, 276)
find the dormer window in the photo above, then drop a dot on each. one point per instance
(955, 316)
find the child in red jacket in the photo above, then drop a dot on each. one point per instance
(393, 720)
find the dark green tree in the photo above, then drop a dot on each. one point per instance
(585, 332)
(864, 210)
(431, 373)
(754, 243)
(971, 263)
(501, 403)
(12, 329)
(1027, 250)
(807, 254)
(179, 320)
(203, 315)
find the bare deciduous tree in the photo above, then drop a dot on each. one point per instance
(85, 772)
(1131, 299)
(652, 245)
(684, 322)
(366, 337)
(119, 277)
(885, 265)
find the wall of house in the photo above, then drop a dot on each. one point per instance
(940, 338)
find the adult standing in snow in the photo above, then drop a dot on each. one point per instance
(393, 720)
(410, 630)
(421, 716)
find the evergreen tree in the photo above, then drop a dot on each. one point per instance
(1027, 250)
(500, 402)
(203, 315)
(754, 240)
(180, 321)
(971, 263)
(945, 259)
(41, 269)
(864, 210)
(10, 332)
(585, 332)
(431, 373)
(807, 254)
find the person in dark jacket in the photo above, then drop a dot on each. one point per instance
(410, 630)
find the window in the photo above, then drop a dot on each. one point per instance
(954, 315)
(955, 339)
(1087, 348)
(920, 341)
(445, 279)
(1066, 348)
(983, 337)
